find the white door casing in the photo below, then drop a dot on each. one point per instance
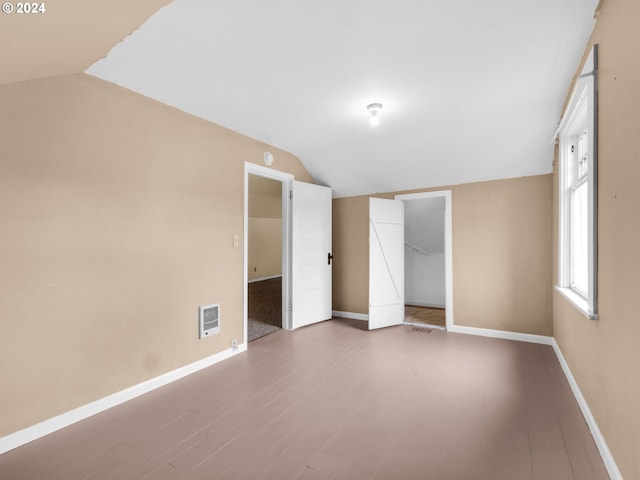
(310, 254)
(286, 179)
(386, 263)
(448, 245)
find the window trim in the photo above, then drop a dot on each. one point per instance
(585, 90)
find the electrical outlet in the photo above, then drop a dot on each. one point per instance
(234, 344)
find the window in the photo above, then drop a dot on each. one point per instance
(577, 269)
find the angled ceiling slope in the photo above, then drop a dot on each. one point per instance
(67, 36)
(470, 90)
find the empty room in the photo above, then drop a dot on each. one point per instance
(326, 240)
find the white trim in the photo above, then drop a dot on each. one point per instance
(605, 453)
(286, 179)
(267, 172)
(29, 434)
(583, 103)
(486, 332)
(601, 444)
(580, 303)
(262, 279)
(287, 276)
(448, 246)
(589, 69)
(351, 315)
(39, 430)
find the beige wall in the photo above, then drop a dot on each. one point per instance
(501, 254)
(265, 227)
(265, 247)
(604, 355)
(350, 243)
(117, 219)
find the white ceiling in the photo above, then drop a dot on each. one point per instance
(471, 90)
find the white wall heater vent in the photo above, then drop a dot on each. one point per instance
(209, 320)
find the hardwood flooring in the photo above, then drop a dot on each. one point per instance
(334, 401)
(424, 315)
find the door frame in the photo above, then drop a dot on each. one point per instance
(287, 180)
(448, 246)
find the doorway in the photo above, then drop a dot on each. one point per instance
(264, 202)
(305, 249)
(264, 257)
(427, 259)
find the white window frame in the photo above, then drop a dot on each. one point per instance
(581, 114)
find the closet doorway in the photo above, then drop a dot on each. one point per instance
(427, 259)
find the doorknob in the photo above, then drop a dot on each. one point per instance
(329, 258)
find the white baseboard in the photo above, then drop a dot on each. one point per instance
(605, 453)
(601, 444)
(21, 437)
(486, 332)
(422, 304)
(483, 332)
(41, 429)
(264, 278)
(351, 315)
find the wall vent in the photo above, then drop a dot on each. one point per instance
(209, 320)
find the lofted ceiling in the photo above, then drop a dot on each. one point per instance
(471, 90)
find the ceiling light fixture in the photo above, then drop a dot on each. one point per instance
(374, 109)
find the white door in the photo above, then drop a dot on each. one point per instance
(310, 254)
(386, 263)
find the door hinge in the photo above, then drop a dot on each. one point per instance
(291, 194)
(290, 307)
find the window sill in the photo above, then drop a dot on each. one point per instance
(577, 301)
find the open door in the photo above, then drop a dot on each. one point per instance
(310, 254)
(386, 263)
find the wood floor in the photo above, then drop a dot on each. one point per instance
(424, 315)
(334, 401)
